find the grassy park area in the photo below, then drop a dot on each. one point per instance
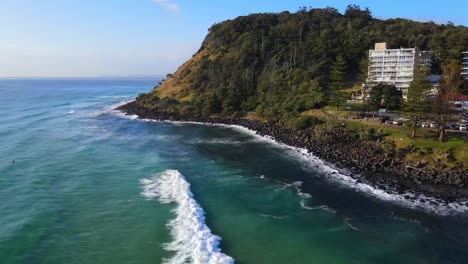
(455, 149)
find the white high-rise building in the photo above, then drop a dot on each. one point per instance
(465, 65)
(395, 66)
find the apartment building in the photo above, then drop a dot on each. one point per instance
(465, 65)
(396, 66)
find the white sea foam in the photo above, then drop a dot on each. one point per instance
(115, 96)
(215, 141)
(297, 186)
(273, 216)
(71, 112)
(319, 207)
(193, 241)
(347, 221)
(111, 110)
(411, 200)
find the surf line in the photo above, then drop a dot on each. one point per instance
(193, 241)
(418, 202)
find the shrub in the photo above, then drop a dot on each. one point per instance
(303, 122)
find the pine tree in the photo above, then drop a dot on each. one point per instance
(363, 69)
(449, 85)
(338, 72)
(337, 81)
(418, 101)
(362, 77)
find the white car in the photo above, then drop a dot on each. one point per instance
(425, 124)
(464, 127)
(433, 125)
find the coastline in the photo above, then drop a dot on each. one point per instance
(364, 160)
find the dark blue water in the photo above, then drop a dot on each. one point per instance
(90, 186)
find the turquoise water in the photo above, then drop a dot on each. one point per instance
(89, 186)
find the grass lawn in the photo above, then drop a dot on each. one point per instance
(456, 144)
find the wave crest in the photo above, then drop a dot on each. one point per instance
(193, 241)
(416, 201)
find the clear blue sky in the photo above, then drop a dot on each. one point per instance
(76, 38)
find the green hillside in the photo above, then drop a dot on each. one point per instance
(280, 65)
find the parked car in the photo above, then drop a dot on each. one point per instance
(433, 125)
(398, 122)
(383, 119)
(452, 126)
(425, 124)
(464, 127)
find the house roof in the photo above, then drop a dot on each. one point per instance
(461, 97)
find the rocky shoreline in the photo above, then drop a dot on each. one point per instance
(367, 160)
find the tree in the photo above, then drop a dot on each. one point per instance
(362, 77)
(337, 99)
(418, 101)
(385, 96)
(448, 87)
(363, 69)
(211, 105)
(268, 60)
(392, 98)
(375, 96)
(464, 87)
(338, 72)
(337, 79)
(355, 12)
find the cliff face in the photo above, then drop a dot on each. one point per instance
(282, 64)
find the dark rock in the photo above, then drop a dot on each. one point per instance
(375, 166)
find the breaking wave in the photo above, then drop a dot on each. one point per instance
(408, 199)
(193, 241)
(112, 111)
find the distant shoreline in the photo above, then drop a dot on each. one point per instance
(343, 153)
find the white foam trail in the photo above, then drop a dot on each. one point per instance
(416, 201)
(273, 216)
(71, 112)
(348, 223)
(193, 241)
(297, 185)
(319, 207)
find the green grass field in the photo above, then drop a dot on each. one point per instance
(455, 149)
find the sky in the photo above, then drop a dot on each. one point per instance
(103, 38)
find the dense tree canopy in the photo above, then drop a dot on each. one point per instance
(385, 96)
(282, 64)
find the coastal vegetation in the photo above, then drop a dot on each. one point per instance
(279, 68)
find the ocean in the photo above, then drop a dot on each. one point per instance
(82, 183)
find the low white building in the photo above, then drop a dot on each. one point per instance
(395, 66)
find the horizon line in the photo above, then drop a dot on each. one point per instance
(83, 77)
